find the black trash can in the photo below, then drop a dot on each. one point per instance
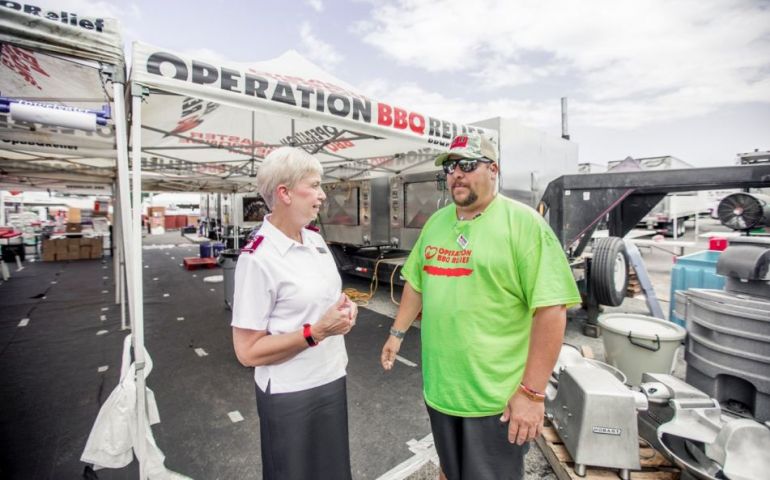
(228, 259)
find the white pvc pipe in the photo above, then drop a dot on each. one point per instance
(138, 324)
(114, 248)
(133, 274)
(124, 203)
(120, 258)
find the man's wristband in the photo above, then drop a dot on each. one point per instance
(531, 394)
(399, 334)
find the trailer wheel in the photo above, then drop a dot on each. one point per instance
(609, 271)
(681, 228)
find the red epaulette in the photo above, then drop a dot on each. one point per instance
(251, 247)
(313, 228)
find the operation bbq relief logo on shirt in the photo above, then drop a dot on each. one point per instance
(442, 262)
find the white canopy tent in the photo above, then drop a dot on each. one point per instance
(63, 127)
(206, 126)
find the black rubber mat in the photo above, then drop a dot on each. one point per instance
(51, 390)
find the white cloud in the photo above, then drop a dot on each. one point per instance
(624, 63)
(414, 97)
(206, 54)
(316, 5)
(316, 49)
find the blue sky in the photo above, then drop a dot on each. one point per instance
(689, 78)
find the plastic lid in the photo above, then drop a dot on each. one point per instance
(641, 326)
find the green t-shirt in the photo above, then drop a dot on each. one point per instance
(481, 281)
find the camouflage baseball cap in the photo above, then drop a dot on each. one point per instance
(469, 145)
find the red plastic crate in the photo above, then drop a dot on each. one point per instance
(194, 263)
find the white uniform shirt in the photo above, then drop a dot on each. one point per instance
(280, 286)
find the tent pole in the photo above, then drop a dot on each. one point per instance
(114, 245)
(121, 258)
(124, 204)
(235, 222)
(138, 324)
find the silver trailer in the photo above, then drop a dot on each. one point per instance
(530, 159)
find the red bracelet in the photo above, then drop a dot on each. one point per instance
(308, 335)
(533, 395)
(531, 390)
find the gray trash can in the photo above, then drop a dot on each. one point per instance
(228, 259)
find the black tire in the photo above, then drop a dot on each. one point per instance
(681, 228)
(609, 271)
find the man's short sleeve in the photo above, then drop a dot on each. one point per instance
(254, 296)
(412, 269)
(544, 271)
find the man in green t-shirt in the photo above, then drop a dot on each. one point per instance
(493, 285)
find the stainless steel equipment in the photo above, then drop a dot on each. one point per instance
(689, 427)
(356, 212)
(728, 341)
(594, 414)
(413, 199)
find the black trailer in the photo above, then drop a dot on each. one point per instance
(576, 204)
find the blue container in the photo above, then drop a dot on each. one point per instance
(697, 270)
(205, 250)
(217, 249)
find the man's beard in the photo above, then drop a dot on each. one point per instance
(469, 200)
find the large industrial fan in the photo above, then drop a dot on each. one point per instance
(744, 211)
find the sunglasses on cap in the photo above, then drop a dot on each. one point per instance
(467, 165)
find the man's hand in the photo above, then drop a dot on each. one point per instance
(389, 351)
(525, 418)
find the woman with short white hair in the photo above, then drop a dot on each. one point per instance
(289, 320)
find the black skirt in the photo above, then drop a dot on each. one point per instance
(304, 435)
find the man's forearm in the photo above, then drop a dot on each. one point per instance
(411, 304)
(544, 345)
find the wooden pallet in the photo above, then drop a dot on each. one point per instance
(194, 263)
(634, 287)
(654, 465)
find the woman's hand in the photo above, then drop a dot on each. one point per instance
(337, 320)
(353, 308)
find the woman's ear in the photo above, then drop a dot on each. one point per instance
(283, 194)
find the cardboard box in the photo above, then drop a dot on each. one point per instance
(49, 255)
(48, 244)
(85, 252)
(73, 216)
